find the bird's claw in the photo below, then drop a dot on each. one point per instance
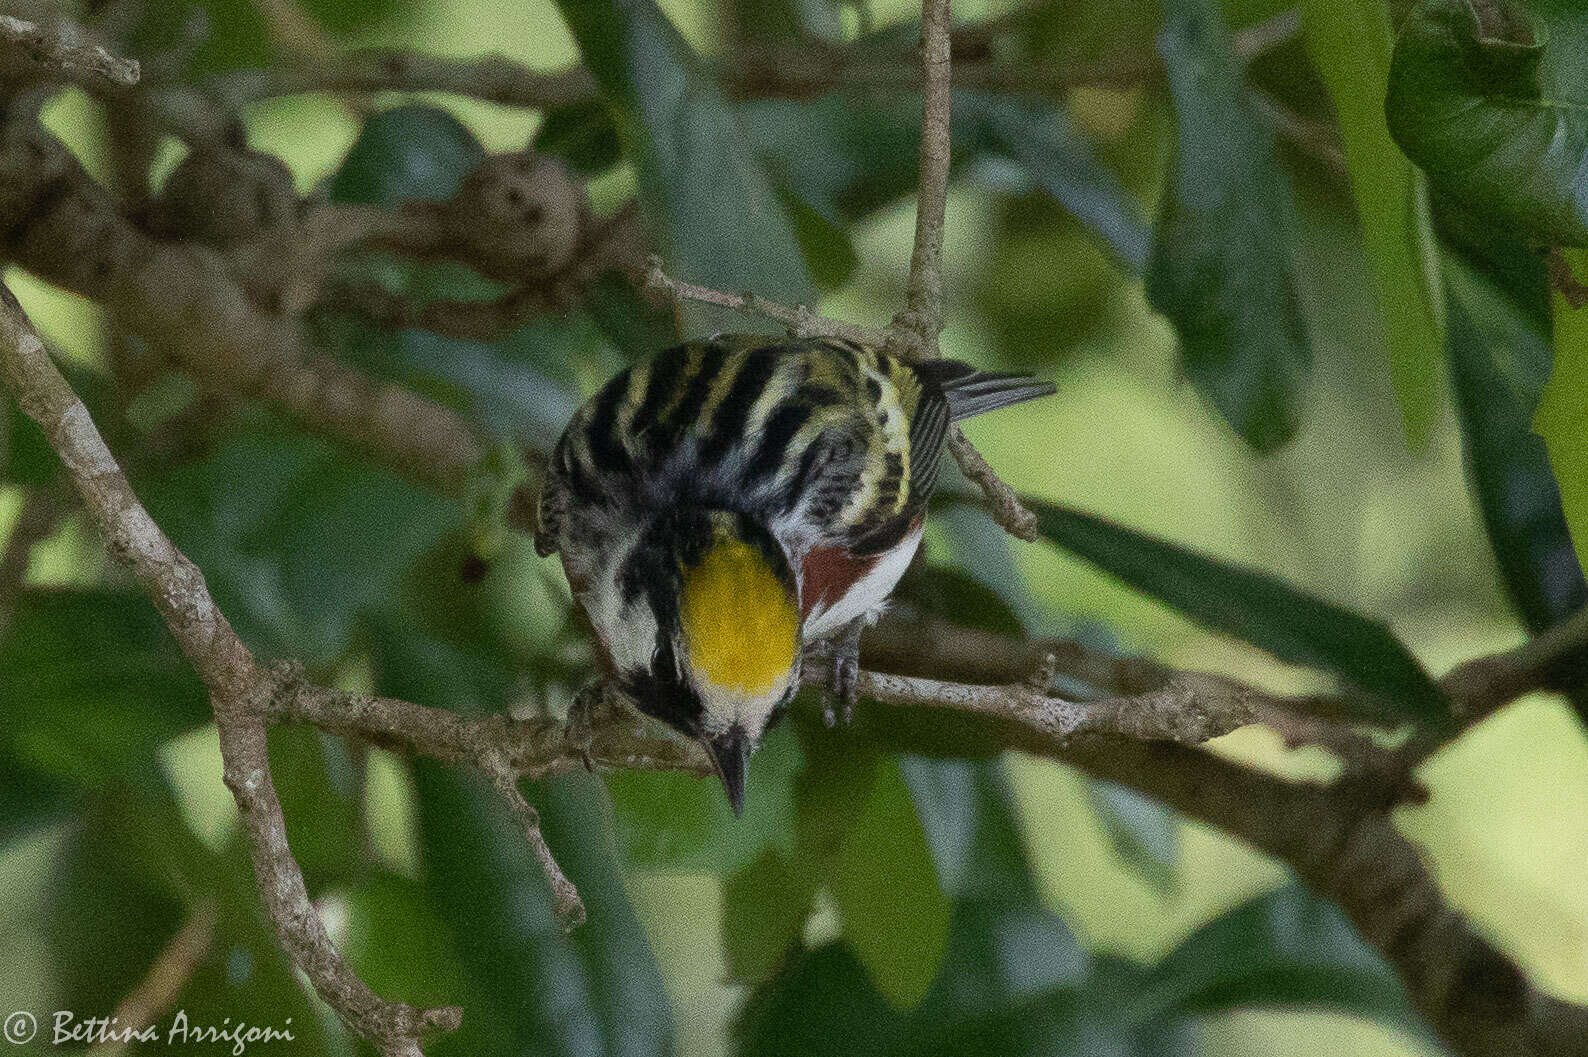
(846, 688)
(843, 689)
(579, 730)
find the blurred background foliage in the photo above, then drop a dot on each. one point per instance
(1282, 350)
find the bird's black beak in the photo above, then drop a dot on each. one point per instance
(728, 753)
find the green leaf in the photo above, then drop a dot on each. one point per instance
(1004, 945)
(1222, 266)
(318, 783)
(399, 944)
(312, 541)
(823, 1003)
(29, 797)
(581, 134)
(98, 715)
(1562, 416)
(965, 810)
(848, 154)
(1500, 346)
(764, 908)
(1007, 981)
(827, 248)
(407, 152)
(1061, 163)
(1287, 948)
(1255, 607)
(1468, 104)
(112, 907)
(25, 456)
(1142, 832)
(885, 884)
(595, 992)
(721, 223)
(1350, 41)
(679, 823)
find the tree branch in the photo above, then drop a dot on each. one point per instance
(228, 669)
(62, 47)
(58, 223)
(1338, 840)
(492, 78)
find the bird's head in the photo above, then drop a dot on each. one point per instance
(734, 641)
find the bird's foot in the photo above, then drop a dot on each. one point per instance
(842, 651)
(579, 729)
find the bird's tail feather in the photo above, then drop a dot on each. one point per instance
(971, 392)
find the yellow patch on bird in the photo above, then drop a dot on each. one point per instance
(741, 629)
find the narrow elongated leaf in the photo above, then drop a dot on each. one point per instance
(764, 908)
(1501, 353)
(894, 911)
(1350, 41)
(1060, 162)
(94, 715)
(1256, 607)
(721, 221)
(1222, 267)
(594, 993)
(1287, 948)
(1562, 417)
(1466, 103)
(1008, 982)
(1004, 945)
(1143, 832)
(848, 154)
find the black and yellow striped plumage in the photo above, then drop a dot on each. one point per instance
(815, 458)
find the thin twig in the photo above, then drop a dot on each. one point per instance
(1563, 280)
(1003, 503)
(566, 903)
(915, 331)
(160, 987)
(493, 78)
(801, 321)
(809, 69)
(922, 320)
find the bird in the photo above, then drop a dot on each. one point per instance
(735, 504)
